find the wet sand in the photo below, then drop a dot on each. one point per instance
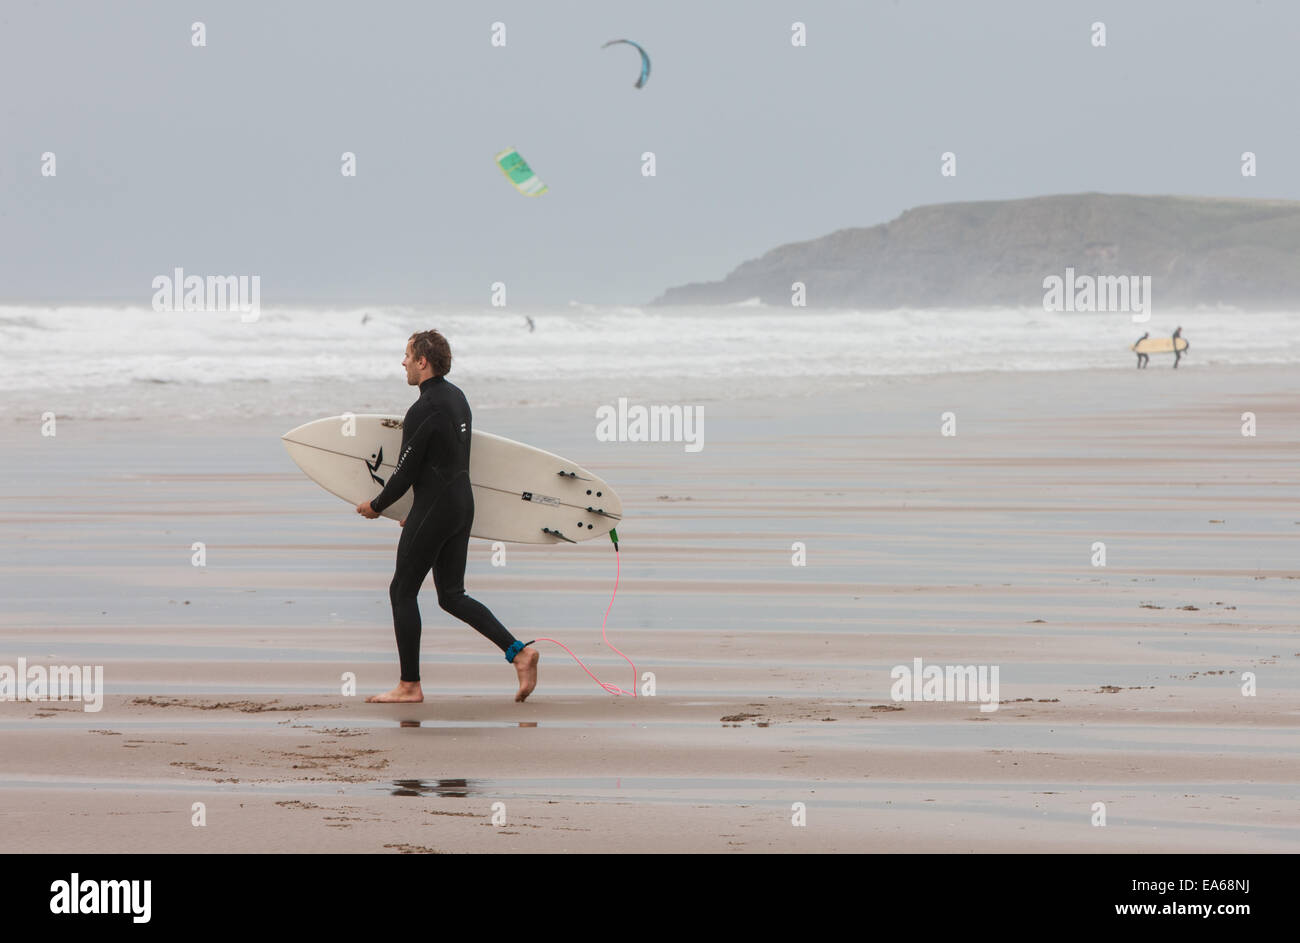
(1119, 684)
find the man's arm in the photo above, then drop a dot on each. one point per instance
(415, 449)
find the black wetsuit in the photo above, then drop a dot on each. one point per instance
(435, 460)
(1142, 358)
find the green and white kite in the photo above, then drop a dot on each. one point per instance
(520, 174)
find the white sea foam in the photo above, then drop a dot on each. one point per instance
(135, 361)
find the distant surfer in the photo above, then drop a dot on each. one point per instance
(434, 459)
(1178, 354)
(1143, 359)
(531, 328)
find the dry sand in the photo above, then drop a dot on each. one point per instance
(1119, 684)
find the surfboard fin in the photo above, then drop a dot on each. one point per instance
(569, 474)
(556, 533)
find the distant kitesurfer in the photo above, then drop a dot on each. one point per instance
(434, 459)
(1142, 358)
(530, 323)
(1178, 355)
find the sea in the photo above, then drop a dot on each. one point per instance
(108, 362)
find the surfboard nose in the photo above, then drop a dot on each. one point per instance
(295, 432)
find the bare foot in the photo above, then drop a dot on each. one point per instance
(526, 667)
(406, 692)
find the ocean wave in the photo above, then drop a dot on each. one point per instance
(575, 348)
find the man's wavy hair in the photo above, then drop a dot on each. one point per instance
(434, 348)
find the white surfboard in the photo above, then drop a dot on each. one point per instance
(521, 494)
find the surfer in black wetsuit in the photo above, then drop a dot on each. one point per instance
(1142, 358)
(1178, 355)
(434, 459)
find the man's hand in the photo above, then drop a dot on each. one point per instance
(366, 511)
(402, 522)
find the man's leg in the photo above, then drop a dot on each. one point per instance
(412, 566)
(449, 578)
(402, 593)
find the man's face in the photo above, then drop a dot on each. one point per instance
(413, 366)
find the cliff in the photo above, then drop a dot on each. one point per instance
(1197, 250)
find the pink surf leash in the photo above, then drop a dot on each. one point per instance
(608, 686)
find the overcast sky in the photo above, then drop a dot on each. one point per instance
(226, 159)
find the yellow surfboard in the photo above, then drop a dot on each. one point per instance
(1158, 345)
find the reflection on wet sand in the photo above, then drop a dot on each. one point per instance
(445, 788)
